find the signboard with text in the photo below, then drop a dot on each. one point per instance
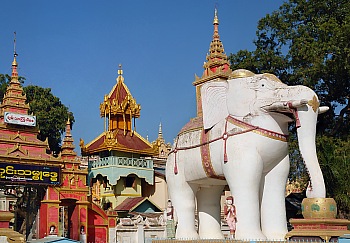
(20, 119)
(11, 173)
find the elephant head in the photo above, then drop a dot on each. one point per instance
(264, 101)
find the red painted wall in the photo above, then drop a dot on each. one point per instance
(97, 225)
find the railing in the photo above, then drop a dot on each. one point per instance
(122, 161)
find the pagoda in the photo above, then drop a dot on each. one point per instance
(217, 66)
(27, 167)
(66, 206)
(18, 130)
(119, 159)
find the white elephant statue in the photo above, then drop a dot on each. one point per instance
(241, 141)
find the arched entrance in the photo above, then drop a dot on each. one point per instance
(68, 219)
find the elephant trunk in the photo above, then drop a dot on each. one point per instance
(306, 139)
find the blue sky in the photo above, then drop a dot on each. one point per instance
(75, 47)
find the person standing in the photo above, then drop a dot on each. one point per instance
(230, 215)
(170, 220)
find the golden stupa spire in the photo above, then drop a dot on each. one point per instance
(14, 75)
(67, 145)
(14, 99)
(160, 132)
(217, 64)
(216, 24)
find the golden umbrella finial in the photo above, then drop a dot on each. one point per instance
(14, 63)
(120, 73)
(216, 19)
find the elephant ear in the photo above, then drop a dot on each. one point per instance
(214, 106)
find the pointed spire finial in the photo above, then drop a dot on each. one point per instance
(160, 132)
(14, 76)
(216, 19)
(216, 25)
(68, 143)
(120, 73)
(160, 128)
(68, 130)
(14, 63)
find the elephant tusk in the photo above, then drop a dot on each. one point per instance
(292, 104)
(323, 109)
(296, 104)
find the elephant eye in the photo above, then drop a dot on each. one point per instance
(262, 85)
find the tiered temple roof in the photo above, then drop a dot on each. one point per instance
(19, 142)
(119, 109)
(217, 66)
(73, 177)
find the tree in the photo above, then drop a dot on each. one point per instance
(335, 164)
(307, 42)
(51, 114)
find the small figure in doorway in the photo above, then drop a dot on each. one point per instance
(230, 213)
(52, 230)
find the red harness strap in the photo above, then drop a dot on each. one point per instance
(206, 160)
(204, 143)
(258, 130)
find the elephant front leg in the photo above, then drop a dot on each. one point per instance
(243, 174)
(273, 207)
(208, 202)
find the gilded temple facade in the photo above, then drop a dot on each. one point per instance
(120, 160)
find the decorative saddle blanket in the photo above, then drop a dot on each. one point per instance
(196, 124)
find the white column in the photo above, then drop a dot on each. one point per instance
(140, 233)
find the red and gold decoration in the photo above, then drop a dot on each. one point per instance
(217, 66)
(319, 221)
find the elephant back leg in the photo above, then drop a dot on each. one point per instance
(209, 212)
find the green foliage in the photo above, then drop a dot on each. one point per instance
(307, 42)
(334, 158)
(297, 172)
(51, 114)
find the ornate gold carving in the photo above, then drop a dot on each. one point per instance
(110, 139)
(18, 135)
(17, 147)
(111, 106)
(314, 103)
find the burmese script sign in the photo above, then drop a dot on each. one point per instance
(20, 119)
(30, 174)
